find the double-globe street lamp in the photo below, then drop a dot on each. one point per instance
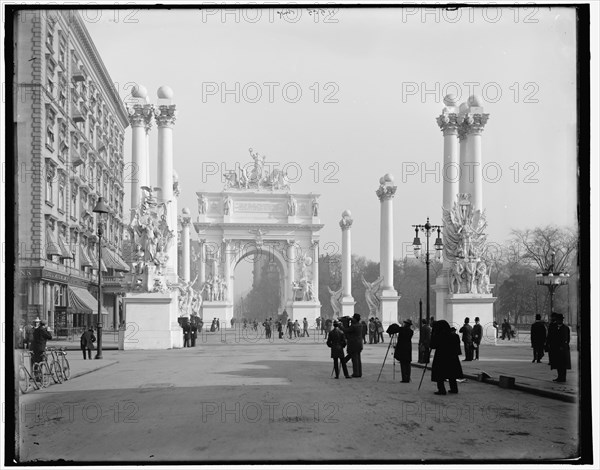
(427, 229)
(552, 280)
(101, 209)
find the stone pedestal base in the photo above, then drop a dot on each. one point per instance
(459, 306)
(151, 322)
(216, 309)
(309, 309)
(389, 308)
(347, 307)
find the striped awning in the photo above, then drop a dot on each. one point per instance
(94, 259)
(113, 260)
(85, 259)
(82, 301)
(52, 247)
(65, 252)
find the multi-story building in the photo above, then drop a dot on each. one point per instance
(69, 135)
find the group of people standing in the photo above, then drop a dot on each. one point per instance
(348, 335)
(555, 341)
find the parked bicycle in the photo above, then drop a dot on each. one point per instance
(64, 363)
(39, 377)
(54, 367)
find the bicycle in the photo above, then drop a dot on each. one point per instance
(64, 363)
(38, 377)
(54, 367)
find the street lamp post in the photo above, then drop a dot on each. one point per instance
(552, 280)
(100, 209)
(427, 229)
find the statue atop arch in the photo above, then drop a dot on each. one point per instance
(257, 176)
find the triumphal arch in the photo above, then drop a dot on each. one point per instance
(257, 216)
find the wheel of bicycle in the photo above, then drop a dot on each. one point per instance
(46, 374)
(24, 383)
(38, 374)
(57, 373)
(66, 368)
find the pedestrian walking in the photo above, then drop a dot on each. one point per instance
(355, 345)
(403, 350)
(372, 331)
(86, 342)
(218, 325)
(558, 339)
(296, 329)
(477, 336)
(28, 340)
(365, 330)
(267, 326)
(467, 339)
(379, 330)
(337, 342)
(538, 338)
(305, 327)
(328, 326)
(290, 327)
(193, 334)
(318, 320)
(186, 335)
(446, 364)
(424, 342)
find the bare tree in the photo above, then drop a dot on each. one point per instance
(537, 245)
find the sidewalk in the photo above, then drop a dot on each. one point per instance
(507, 358)
(511, 361)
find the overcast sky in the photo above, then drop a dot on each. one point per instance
(369, 71)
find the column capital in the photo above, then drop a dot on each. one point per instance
(473, 123)
(386, 192)
(140, 115)
(165, 115)
(448, 123)
(186, 221)
(346, 222)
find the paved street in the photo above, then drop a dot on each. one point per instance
(250, 400)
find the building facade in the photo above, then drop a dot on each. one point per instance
(69, 128)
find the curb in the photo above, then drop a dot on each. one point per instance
(523, 388)
(79, 374)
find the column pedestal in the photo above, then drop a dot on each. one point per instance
(151, 321)
(460, 306)
(388, 313)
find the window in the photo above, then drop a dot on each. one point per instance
(50, 84)
(59, 296)
(61, 192)
(74, 202)
(50, 175)
(50, 122)
(50, 38)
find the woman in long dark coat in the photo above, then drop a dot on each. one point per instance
(446, 364)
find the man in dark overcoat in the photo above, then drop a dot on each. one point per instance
(337, 342)
(538, 338)
(558, 340)
(186, 335)
(355, 345)
(403, 350)
(193, 333)
(446, 364)
(467, 339)
(86, 342)
(38, 345)
(477, 335)
(424, 342)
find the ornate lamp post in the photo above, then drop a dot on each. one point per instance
(427, 229)
(100, 209)
(552, 280)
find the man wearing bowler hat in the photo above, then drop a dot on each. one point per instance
(355, 345)
(403, 351)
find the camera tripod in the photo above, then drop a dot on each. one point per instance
(392, 342)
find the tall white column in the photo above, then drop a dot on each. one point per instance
(474, 123)
(347, 299)
(202, 263)
(291, 262)
(226, 257)
(315, 276)
(389, 296)
(451, 170)
(186, 222)
(165, 120)
(138, 153)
